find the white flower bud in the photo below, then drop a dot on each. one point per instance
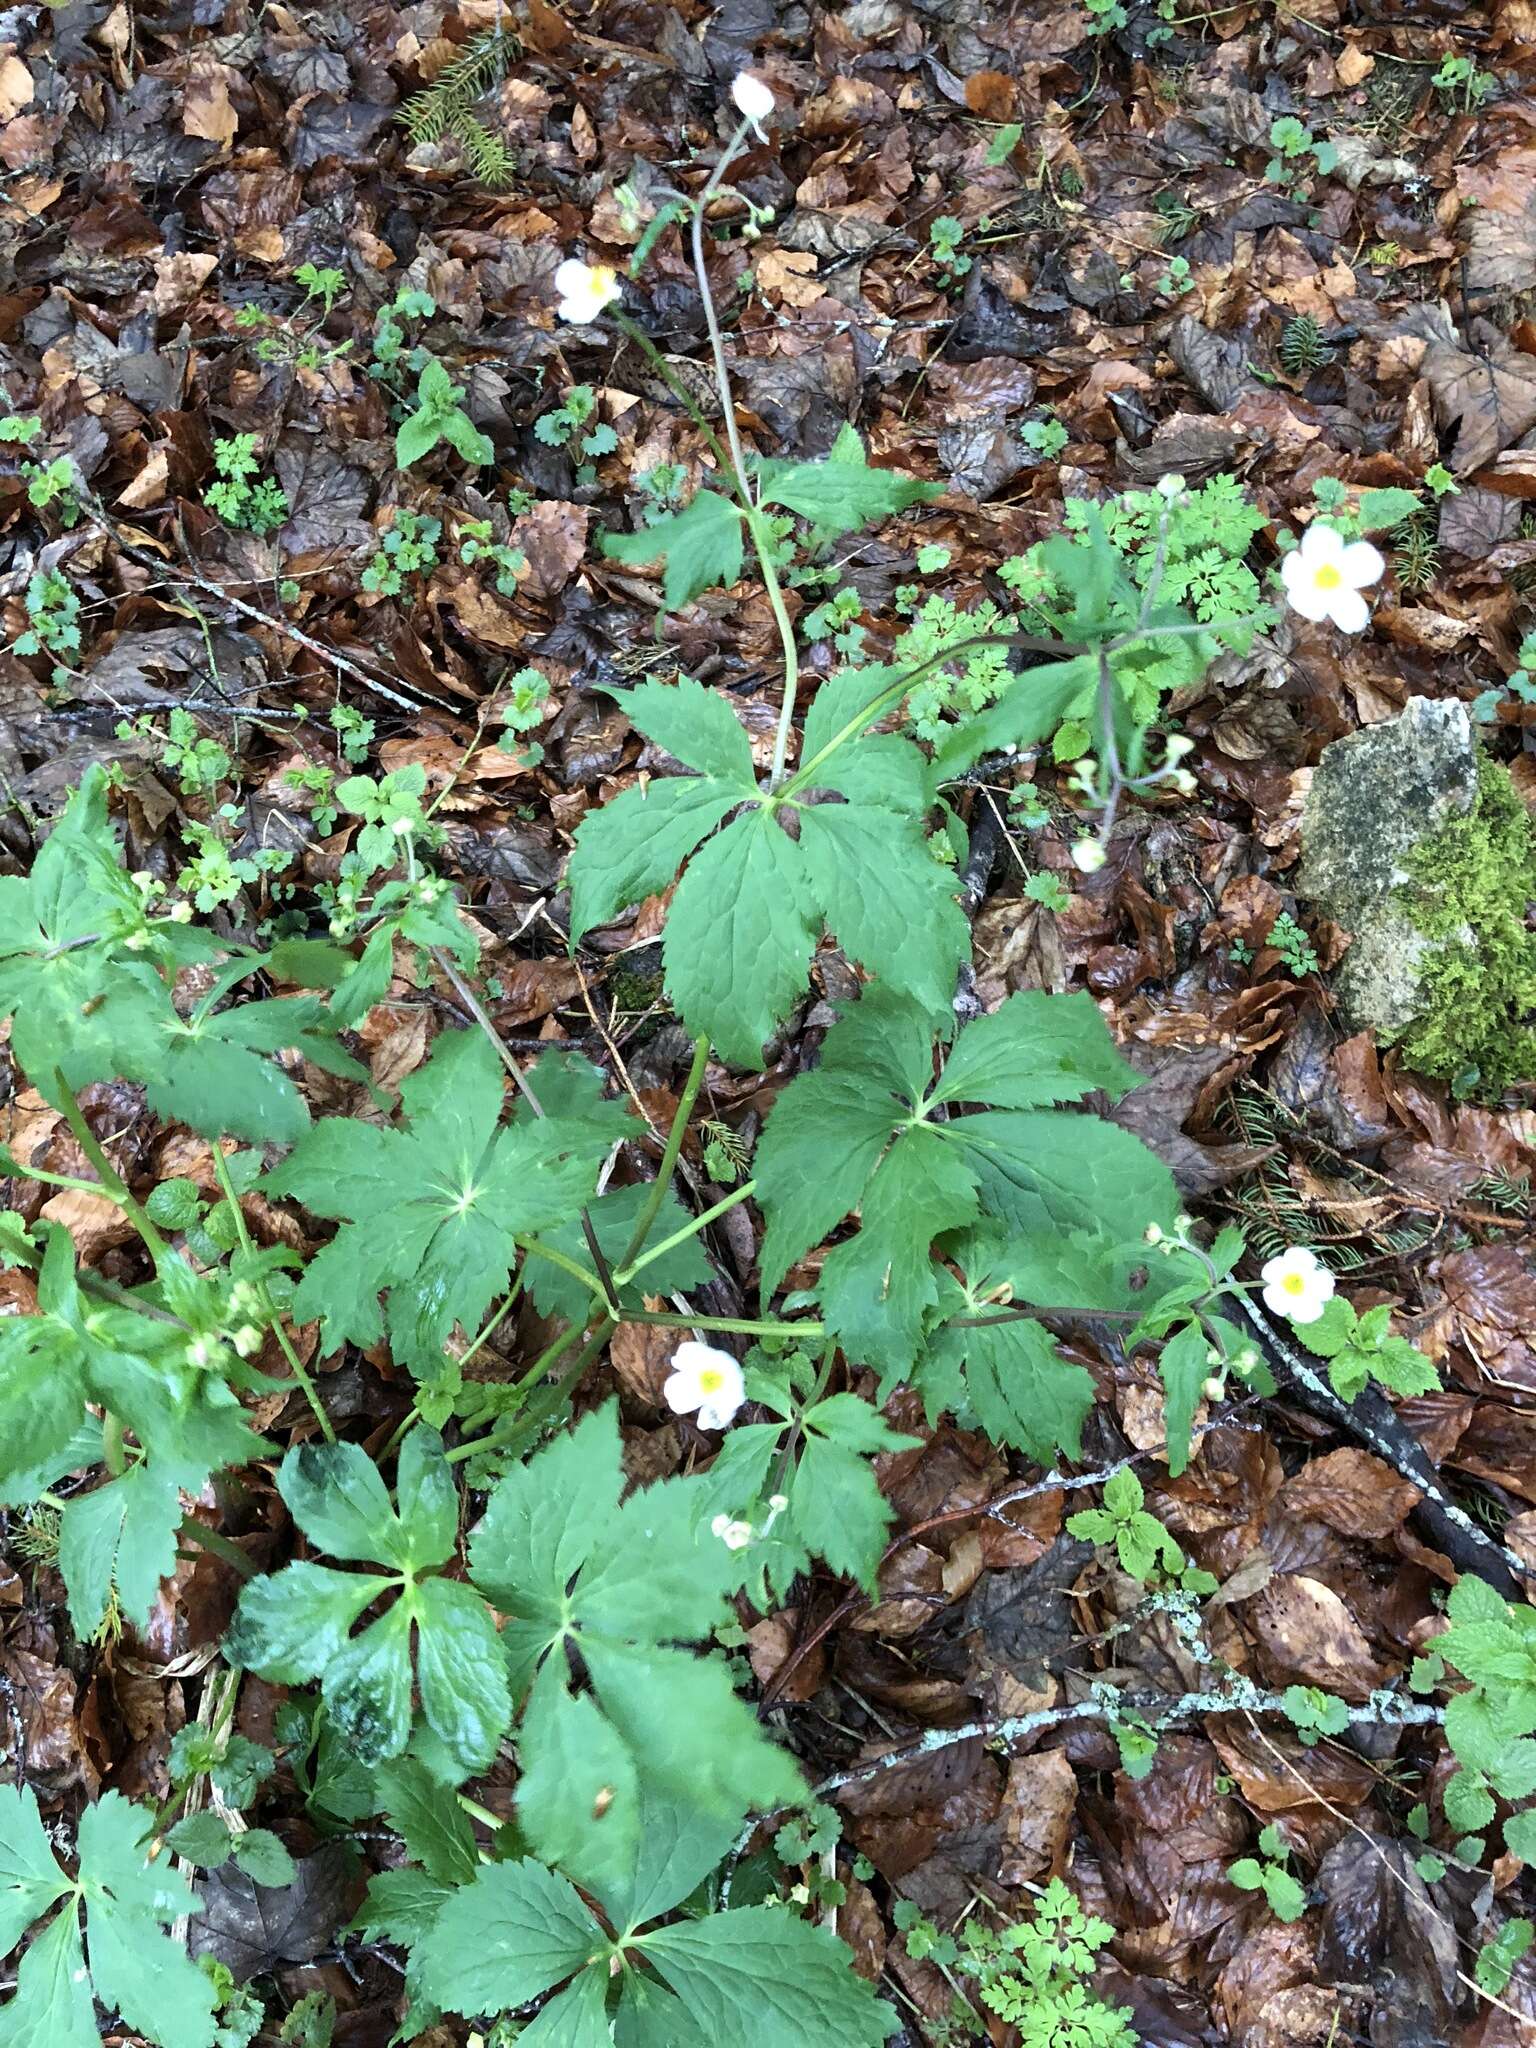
(753, 98)
(1088, 856)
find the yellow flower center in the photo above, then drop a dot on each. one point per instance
(1327, 577)
(605, 280)
(711, 1380)
(1294, 1283)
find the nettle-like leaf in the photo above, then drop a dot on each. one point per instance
(297, 1625)
(704, 544)
(173, 1399)
(620, 1586)
(759, 1976)
(430, 1211)
(875, 1129)
(126, 1960)
(753, 900)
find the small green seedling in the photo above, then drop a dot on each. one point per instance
(1287, 1899)
(242, 497)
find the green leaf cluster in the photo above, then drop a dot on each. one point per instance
(841, 848)
(1361, 1351)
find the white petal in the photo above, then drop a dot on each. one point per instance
(1361, 564)
(1321, 544)
(1308, 1309)
(572, 277)
(681, 1393)
(752, 96)
(1304, 596)
(1348, 610)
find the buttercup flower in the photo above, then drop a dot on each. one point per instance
(753, 98)
(585, 289)
(734, 1535)
(705, 1379)
(1324, 577)
(1296, 1286)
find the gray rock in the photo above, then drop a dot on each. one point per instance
(1376, 797)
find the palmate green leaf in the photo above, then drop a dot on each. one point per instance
(438, 1636)
(622, 1585)
(873, 1130)
(123, 1534)
(701, 545)
(135, 1969)
(754, 899)
(431, 1210)
(1004, 1375)
(842, 493)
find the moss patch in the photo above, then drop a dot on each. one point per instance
(1471, 885)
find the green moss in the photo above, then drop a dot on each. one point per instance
(1471, 885)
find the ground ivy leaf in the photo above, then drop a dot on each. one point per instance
(764, 1978)
(514, 1933)
(701, 545)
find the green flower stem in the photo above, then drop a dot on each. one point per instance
(762, 539)
(766, 1328)
(210, 1539)
(547, 1402)
(680, 392)
(656, 1193)
(478, 1812)
(113, 1187)
(689, 1229)
(274, 1321)
(892, 693)
(113, 1454)
(536, 1248)
(491, 1440)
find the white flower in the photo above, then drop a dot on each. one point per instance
(1324, 577)
(1296, 1286)
(1088, 856)
(705, 1379)
(734, 1535)
(752, 97)
(1171, 486)
(585, 288)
